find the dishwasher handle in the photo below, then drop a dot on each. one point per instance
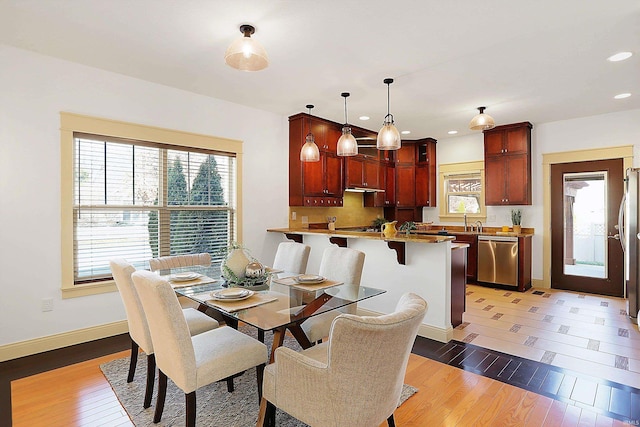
(499, 238)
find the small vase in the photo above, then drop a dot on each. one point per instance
(517, 229)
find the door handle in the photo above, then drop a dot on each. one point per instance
(615, 236)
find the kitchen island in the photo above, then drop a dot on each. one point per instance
(404, 263)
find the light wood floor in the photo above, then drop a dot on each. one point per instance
(79, 395)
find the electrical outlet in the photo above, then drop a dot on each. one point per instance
(294, 215)
(47, 304)
(305, 219)
(491, 218)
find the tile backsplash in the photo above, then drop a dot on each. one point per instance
(352, 213)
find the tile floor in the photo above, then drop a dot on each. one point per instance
(589, 334)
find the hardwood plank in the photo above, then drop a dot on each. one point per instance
(538, 413)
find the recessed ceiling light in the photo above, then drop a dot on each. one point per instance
(622, 95)
(452, 132)
(405, 132)
(620, 56)
(364, 117)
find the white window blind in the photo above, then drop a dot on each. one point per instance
(138, 200)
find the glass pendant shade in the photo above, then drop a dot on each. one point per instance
(347, 144)
(482, 121)
(388, 137)
(246, 54)
(310, 151)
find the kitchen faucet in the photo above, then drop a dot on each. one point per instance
(478, 224)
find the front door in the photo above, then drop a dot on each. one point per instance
(586, 255)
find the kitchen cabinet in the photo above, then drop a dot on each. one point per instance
(471, 254)
(426, 180)
(362, 172)
(507, 163)
(315, 183)
(405, 185)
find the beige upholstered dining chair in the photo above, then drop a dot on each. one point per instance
(355, 379)
(292, 257)
(139, 329)
(192, 362)
(342, 265)
(175, 261)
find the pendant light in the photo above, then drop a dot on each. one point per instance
(246, 54)
(388, 137)
(482, 121)
(347, 144)
(309, 151)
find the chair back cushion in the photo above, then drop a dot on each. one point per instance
(169, 331)
(138, 327)
(292, 257)
(342, 264)
(368, 358)
(175, 261)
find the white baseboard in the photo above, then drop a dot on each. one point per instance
(426, 331)
(65, 339)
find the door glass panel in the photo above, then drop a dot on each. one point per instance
(585, 224)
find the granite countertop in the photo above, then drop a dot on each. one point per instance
(399, 237)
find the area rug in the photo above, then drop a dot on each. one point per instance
(215, 406)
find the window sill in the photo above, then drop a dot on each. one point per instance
(460, 218)
(89, 289)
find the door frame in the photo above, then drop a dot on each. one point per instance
(625, 152)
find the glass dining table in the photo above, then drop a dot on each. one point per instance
(283, 303)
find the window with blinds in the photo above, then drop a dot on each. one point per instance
(138, 200)
(463, 193)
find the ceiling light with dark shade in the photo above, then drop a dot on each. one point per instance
(246, 54)
(347, 144)
(388, 137)
(482, 121)
(309, 151)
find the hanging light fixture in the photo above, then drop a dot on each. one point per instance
(482, 121)
(347, 144)
(246, 54)
(309, 151)
(388, 137)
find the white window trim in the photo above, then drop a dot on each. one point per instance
(70, 123)
(445, 170)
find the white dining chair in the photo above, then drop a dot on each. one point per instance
(342, 265)
(192, 362)
(176, 261)
(355, 379)
(292, 257)
(197, 323)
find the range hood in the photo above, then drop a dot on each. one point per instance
(364, 190)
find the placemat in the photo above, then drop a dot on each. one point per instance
(233, 306)
(290, 281)
(202, 279)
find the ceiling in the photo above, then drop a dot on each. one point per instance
(537, 61)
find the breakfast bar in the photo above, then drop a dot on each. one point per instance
(431, 266)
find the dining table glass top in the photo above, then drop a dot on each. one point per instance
(280, 302)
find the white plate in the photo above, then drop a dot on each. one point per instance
(184, 277)
(231, 294)
(309, 279)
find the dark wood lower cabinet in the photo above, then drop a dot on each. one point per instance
(458, 284)
(472, 255)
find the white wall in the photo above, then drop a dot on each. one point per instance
(607, 130)
(34, 89)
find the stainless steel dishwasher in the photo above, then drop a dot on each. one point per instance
(498, 260)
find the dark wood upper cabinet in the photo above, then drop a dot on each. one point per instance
(507, 164)
(426, 180)
(362, 172)
(315, 183)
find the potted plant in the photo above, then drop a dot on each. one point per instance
(516, 220)
(377, 223)
(408, 226)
